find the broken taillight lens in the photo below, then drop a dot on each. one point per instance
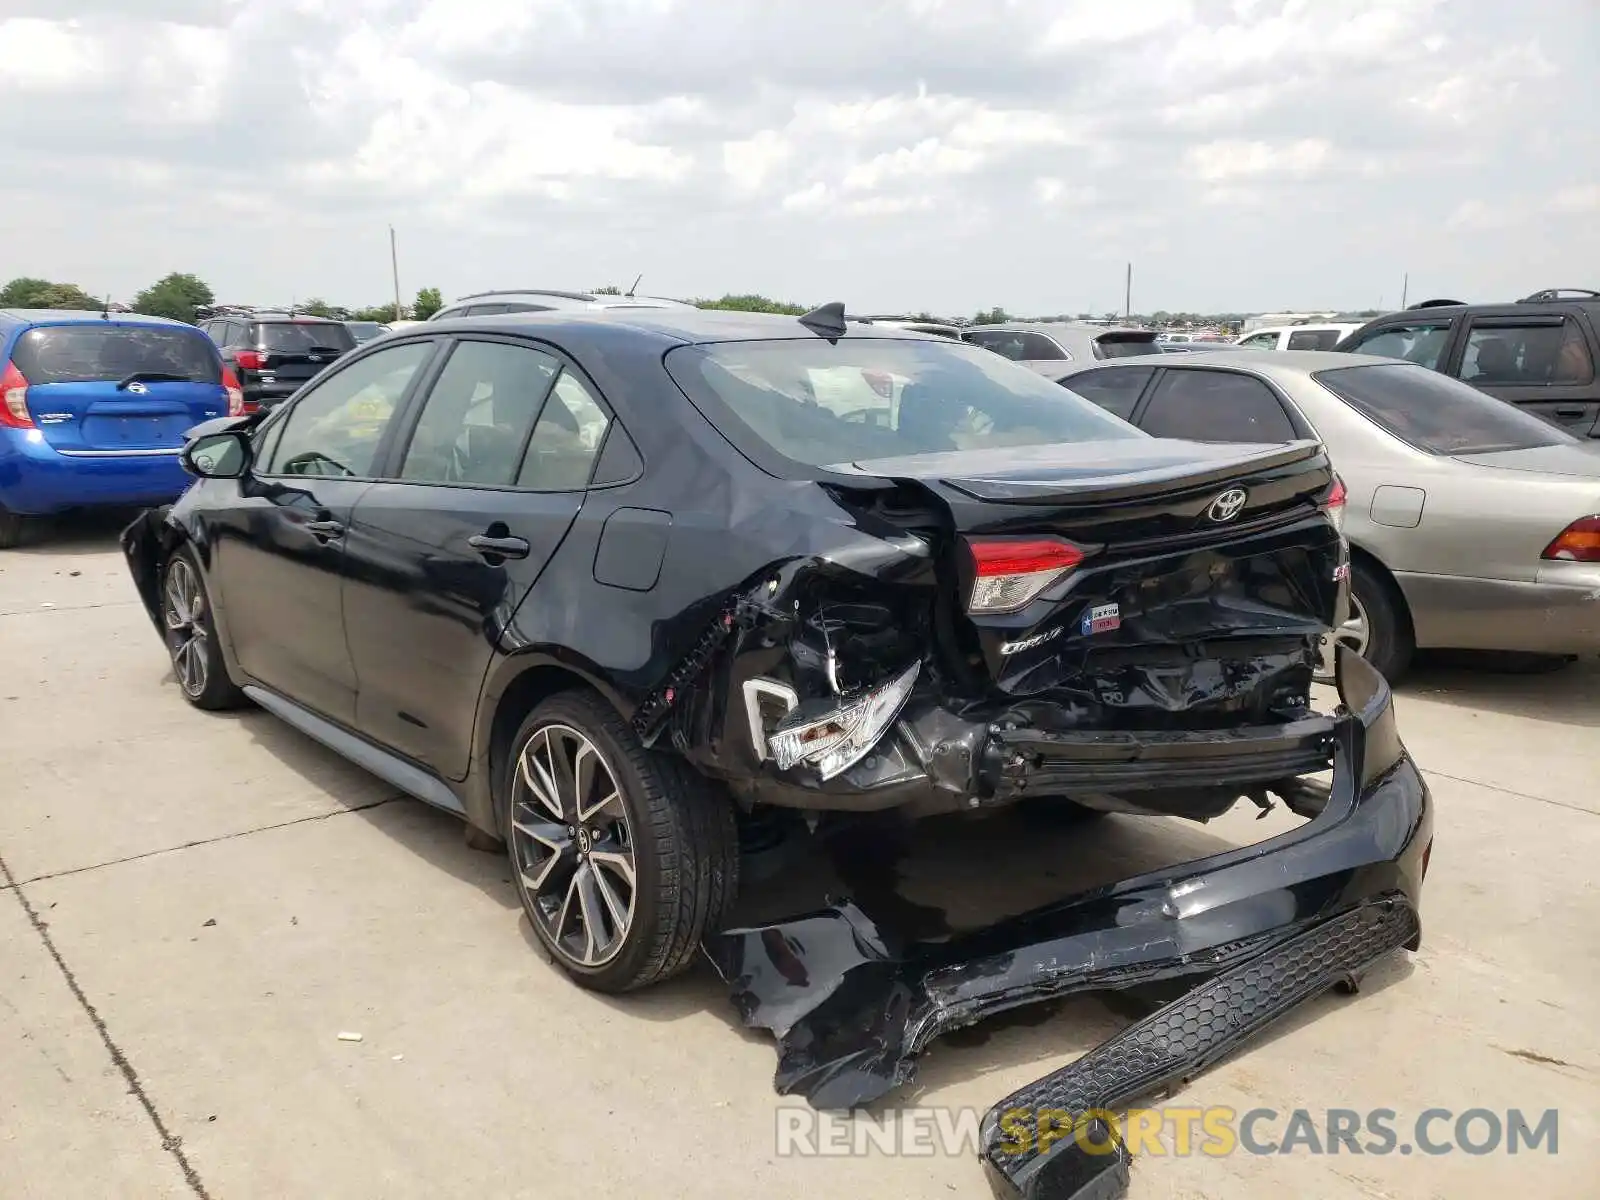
(1010, 573)
(836, 740)
(1334, 505)
(1578, 542)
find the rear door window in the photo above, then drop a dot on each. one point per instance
(111, 353)
(567, 439)
(1261, 341)
(1421, 342)
(1532, 353)
(1115, 389)
(478, 415)
(1125, 345)
(1215, 406)
(1436, 413)
(304, 337)
(1018, 345)
(1313, 339)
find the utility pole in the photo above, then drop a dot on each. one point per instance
(394, 265)
(1405, 289)
(1127, 294)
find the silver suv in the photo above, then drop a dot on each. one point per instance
(484, 304)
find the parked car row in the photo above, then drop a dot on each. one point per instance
(1472, 525)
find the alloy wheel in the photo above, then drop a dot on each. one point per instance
(1356, 633)
(572, 846)
(187, 632)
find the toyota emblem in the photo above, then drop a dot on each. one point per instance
(137, 388)
(1228, 505)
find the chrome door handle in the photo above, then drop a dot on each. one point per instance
(499, 547)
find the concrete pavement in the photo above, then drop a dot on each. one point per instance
(202, 903)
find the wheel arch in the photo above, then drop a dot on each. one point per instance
(524, 682)
(1387, 577)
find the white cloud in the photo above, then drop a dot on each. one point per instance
(1584, 198)
(752, 161)
(1216, 162)
(908, 153)
(49, 56)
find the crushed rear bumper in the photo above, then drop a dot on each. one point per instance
(851, 1009)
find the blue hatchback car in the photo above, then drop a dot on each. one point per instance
(93, 409)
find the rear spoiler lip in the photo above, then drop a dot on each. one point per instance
(1142, 485)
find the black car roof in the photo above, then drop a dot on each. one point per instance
(677, 325)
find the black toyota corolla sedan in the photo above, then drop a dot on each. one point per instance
(604, 584)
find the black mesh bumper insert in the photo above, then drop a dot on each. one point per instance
(1175, 1043)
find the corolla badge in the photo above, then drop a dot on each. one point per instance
(1228, 505)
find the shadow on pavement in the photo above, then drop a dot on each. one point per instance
(87, 532)
(1567, 696)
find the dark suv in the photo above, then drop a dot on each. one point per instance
(274, 354)
(1538, 353)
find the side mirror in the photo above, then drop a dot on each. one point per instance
(217, 456)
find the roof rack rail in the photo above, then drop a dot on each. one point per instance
(1435, 304)
(524, 292)
(1551, 295)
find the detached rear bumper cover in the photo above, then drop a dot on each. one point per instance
(851, 1010)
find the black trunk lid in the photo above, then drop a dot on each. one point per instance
(1193, 607)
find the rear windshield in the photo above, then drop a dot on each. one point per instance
(1125, 345)
(303, 336)
(94, 352)
(1436, 413)
(825, 404)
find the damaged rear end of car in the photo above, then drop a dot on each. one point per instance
(1126, 623)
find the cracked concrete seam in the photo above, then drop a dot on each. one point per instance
(8, 884)
(170, 1142)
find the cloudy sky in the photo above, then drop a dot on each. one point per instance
(896, 154)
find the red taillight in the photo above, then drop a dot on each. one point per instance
(1578, 542)
(251, 360)
(230, 384)
(1009, 573)
(1334, 504)
(14, 398)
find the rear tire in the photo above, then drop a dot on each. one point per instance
(191, 636)
(1378, 627)
(590, 811)
(10, 529)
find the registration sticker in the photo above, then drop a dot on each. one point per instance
(1102, 618)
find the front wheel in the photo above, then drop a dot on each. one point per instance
(191, 637)
(624, 858)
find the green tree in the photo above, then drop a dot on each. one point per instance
(428, 302)
(381, 313)
(317, 307)
(750, 302)
(175, 296)
(992, 316)
(28, 292)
